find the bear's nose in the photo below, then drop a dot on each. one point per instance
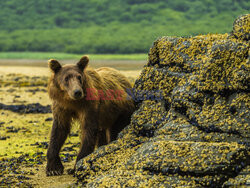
(77, 93)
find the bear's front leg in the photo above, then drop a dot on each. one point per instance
(59, 133)
(89, 130)
(89, 135)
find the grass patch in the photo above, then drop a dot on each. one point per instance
(53, 55)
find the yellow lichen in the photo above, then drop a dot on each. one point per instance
(197, 133)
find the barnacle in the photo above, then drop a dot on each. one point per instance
(198, 133)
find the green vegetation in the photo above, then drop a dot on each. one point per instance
(109, 26)
(54, 55)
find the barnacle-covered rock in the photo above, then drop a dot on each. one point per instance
(241, 28)
(242, 179)
(191, 127)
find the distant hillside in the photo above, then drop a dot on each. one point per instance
(109, 26)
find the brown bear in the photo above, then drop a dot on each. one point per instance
(96, 98)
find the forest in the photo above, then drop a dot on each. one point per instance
(109, 26)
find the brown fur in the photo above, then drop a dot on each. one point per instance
(100, 120)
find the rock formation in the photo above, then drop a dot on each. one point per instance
(191, 127)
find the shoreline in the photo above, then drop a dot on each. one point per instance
(118, 64)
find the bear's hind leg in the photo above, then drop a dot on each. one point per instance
(102, 139)
(122, 121)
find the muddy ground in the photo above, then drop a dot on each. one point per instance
(25, 122)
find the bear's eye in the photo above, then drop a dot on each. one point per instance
(66, 79)
(79, 78)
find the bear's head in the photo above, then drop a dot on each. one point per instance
(69, 79)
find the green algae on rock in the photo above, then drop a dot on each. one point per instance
(197, 134)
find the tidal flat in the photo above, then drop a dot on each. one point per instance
(25, 122)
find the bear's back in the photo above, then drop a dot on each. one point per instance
(112, 76)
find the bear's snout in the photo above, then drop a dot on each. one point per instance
(77, 94)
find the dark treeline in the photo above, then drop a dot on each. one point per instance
(109, 26)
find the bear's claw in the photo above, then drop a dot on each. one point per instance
(71, 171)
(54, 168)
(54, 173)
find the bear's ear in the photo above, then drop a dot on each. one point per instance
(54, 65)
(83, 62)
